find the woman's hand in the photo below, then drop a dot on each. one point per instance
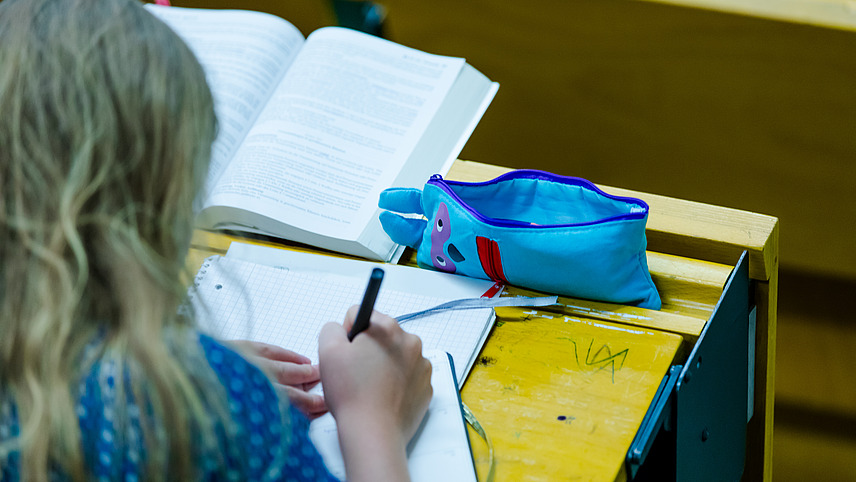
(292, 373)
(378, 388)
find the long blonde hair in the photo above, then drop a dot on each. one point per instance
(106, 125)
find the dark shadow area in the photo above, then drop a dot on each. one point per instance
(820, 297)
(826, 422)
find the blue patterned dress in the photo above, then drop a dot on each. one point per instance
(269, 439)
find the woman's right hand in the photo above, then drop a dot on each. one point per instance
(378, 388)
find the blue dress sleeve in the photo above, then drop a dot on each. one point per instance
(272, 436)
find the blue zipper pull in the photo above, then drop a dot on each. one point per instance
(436, 177)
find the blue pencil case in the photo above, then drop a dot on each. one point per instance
(529, 228)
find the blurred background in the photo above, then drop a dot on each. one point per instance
(749, 104)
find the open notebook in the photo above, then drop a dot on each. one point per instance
(284, 297)
(287, 299)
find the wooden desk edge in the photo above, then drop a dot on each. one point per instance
(827, 14)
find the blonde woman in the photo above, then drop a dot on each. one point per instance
(106, 125)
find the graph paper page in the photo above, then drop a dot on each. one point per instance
(287, 304)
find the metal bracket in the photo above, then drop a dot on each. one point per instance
(707, 405)
(658, 416)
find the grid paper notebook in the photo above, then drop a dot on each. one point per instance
(287, 304)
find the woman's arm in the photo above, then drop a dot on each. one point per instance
(378, 388)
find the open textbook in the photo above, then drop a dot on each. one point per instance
(311, 130)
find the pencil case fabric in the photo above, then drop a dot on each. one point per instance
(534, 229)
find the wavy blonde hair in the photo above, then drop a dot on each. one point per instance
(106, 124)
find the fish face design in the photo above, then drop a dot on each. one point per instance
(441, 231)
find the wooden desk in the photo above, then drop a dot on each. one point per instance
(561, 392)
(691, 250)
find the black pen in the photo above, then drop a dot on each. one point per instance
(367, 306)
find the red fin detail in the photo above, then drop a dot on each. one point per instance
(490, 258)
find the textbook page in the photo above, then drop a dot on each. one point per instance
(337, 130)
(244, 55)
(440, 450)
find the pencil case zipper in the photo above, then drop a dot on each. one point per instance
(447, 186)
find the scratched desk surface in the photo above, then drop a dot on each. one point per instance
(561, 397)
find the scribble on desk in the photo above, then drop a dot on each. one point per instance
(601, 358)
(604, 357)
